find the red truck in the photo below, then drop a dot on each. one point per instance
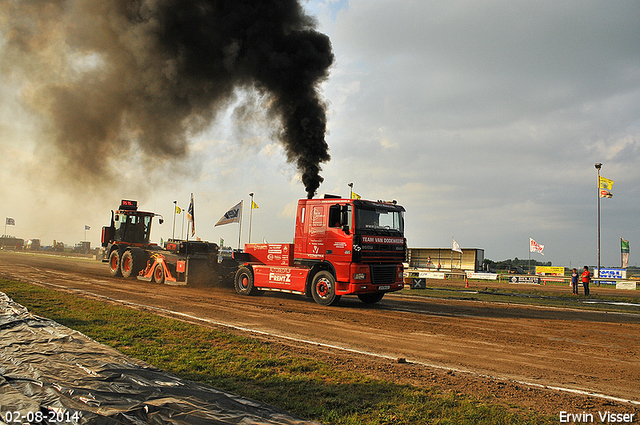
(341, 247)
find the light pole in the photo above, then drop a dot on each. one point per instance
(598, 167)
(250, 216)
(175, 208)
(351, 193)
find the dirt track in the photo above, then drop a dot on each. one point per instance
(514, 354)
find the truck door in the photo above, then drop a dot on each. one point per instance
(338, 243)
(317, 231)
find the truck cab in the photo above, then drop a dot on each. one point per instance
(126, 239)
(362, 242)
(341, 247)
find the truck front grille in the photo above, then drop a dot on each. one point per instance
(384, 274)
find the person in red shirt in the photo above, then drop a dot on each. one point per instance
(586, 278)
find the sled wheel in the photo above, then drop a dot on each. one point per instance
(323, 289)
(243, 281)
(158, 274)
(371, 298)
(114, 263)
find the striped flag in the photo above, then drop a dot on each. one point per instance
(624, 252)
(191, 216)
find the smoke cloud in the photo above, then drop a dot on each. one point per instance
(111, 76)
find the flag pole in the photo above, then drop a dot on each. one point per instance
(175, 207)
(451, 260)
(598, 167)
(240, 223)
(529, 271)
(250, 216)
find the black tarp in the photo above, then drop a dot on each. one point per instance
(46, 367)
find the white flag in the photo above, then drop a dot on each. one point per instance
(535, 246)
(234, 215)
(456, 247)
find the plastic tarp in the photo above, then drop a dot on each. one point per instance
(48, 368)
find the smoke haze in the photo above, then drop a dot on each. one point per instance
(108, 78)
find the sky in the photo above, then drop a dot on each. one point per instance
(483, 119)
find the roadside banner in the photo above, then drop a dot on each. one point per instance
(533, 280)
(482, 275)
(550, 270)
(611, 273)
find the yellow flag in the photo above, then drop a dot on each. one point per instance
(254, 206)
(355, 196)
(178, 210)
(605, 183)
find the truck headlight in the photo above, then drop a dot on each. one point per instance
(359, 276)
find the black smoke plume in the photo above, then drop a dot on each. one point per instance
(108, 74)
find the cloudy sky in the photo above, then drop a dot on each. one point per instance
(483, 119)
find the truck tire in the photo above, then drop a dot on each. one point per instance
(131, 262)
(371, 298)
(243, 281)
(323, 288)
(114, 263)
(158, 274)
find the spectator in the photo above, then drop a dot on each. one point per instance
(574, 281)
(586, 278)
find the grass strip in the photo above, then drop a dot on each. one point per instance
(250, 368)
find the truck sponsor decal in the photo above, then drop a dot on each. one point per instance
(382, 239)
(280, 275)
(317, 216)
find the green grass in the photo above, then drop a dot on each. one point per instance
(303, 386)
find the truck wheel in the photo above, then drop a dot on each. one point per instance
(371, 298)
(131, 263)
(114, 263)
(243, 281)
(158, 274)
(323, 289)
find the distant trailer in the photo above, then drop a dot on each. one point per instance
(11, 243)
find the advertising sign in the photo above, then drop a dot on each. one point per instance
(550, 271)
(484, 276)
(532, 280)
(610, 273)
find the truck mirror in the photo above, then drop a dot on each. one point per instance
(160, 220)
(346, 228)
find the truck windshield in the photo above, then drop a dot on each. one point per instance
(379, 221)
(133, 228)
